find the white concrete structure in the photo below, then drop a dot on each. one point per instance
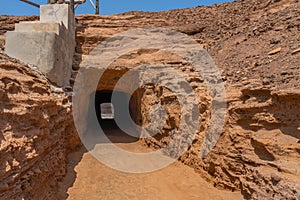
(107, 111)
(48, 44)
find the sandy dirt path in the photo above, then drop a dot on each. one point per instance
(89, 179)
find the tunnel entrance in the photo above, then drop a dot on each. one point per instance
(108, 112)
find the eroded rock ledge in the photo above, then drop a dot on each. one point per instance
(37, 132)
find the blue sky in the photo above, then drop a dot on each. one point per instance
(15, 7)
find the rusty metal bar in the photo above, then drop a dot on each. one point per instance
(31, 3)
(72, 5)
(97, 7)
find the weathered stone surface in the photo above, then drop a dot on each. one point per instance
(39, 48)
(57, 12)
(36, 133)
(296, 51)
(48, 44)
(38, 26)
(274, 51)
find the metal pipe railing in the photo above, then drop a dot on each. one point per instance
(72, 5)
(71, 2)
(31, 3)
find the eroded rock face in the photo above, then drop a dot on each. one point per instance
(258, 152)
(36, 133)
(254, 44)
(259, 149)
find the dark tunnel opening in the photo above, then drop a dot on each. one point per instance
(109, 112)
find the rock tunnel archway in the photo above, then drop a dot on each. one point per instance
(108, 112)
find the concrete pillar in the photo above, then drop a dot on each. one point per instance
(48, 44)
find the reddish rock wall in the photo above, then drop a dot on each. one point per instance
(37, 132)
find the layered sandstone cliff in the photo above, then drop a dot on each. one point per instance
(36, 132)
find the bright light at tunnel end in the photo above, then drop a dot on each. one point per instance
(92, 69)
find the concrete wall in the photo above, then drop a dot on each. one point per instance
(48, 44)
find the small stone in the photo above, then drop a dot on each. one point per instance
(275, 41)
(275, 51)
(296, 51)
(275, 178)
(72, 81)
(283, 73)
(280, 28)
(67, 88)
(272, 76)
(75, 67)
(266, 82)
(56, 89)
